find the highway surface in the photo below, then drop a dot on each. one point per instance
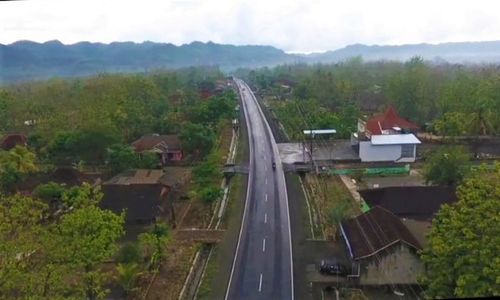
(262, 266)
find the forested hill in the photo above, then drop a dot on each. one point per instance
(26, 60)
(466, 52)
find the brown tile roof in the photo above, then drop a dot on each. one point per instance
(374, 231)
(11, 140)
(417, 202)
(161, 143)
(137, 177)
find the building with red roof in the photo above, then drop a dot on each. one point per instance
(12, 140)
(168, 147)
(388, 123)
(386, 137)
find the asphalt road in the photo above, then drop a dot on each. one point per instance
(262, 266)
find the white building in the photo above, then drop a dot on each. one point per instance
(389, 147)
(386, 137)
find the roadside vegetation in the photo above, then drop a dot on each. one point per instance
(48, 253)
(55, 240)
(447, 166)
(449, 100)
(462, 255)
(455, 105)
(80, 120)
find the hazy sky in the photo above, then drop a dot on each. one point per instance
(292, 25)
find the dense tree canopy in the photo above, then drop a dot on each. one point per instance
(462, 255)
(421, 91)
(15, 165)
(68, 121)
(47, 255)
(122, 157)
(447, 166)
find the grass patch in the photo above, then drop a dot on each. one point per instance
(205, 289)
(331, 202)
(219, 265)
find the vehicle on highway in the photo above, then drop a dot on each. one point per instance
(274, 165)
(332, 267)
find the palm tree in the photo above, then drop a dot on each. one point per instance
(22, 159)
(15, 164)
(127, 276)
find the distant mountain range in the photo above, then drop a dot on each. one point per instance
(464, 52)
(27, 60)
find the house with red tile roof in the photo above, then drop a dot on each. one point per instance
(388, 123)
(9, 141)
(386, 137)
(168, 147)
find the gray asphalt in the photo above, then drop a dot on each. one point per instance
(262, 266)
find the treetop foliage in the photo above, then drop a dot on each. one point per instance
(422, 92)
(462, 253)
(447, 166)
(73, 120)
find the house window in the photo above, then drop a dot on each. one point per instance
(408, 150)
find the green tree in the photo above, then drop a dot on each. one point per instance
(206, 172)
(148, 160)
(51, 191)
(15, 165)
(121, 157)
(209, 194)
(127, 276)
(82, 196)
(452, 124)
(4, 111)
(20, 238)
(154, 243)
(89, 235)
(446, 166)
(197, 139)
(129, 253)
(461, 257)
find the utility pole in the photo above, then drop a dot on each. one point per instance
(312, 133)
(311, 148)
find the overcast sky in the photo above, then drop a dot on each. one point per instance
(292, 25)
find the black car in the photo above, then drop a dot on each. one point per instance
(273, 165)
(332, 267)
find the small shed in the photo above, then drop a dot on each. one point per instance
(144, 194)
(138, 192)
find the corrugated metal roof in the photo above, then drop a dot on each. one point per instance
(374, 231)
(394, 139)
(320, 131)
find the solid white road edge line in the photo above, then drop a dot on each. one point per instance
(249, 184)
